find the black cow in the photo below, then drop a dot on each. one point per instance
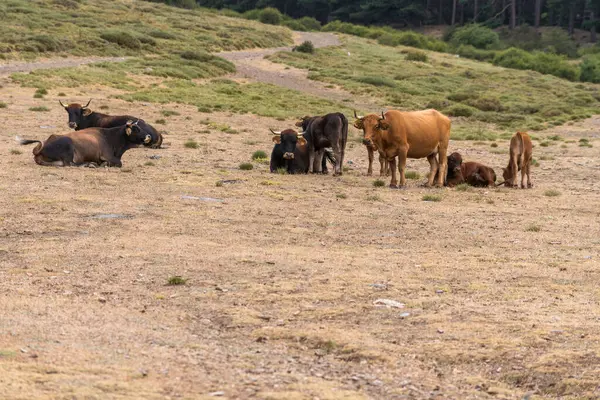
(291, 152)
(330, 130)
(91, 146)
(82, 117)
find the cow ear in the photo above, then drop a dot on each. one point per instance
(86, 111)
(277, 139)
(301, 141)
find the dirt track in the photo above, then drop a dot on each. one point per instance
(283, 272)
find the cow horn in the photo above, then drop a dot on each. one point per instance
(86, 106)
(62, 104)
(382, 115)
(300, 134)
(275, 133)
(357, 116)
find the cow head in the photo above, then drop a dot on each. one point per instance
(372, 125)
(454, 161)
(303, 123)
(288, 140)
(77, 114)
(135, 134)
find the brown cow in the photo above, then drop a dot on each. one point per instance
(415, 134)
(521, 150)
(88, 146)
(472, 173)
(384, 166)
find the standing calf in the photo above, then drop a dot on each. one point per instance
(521, 150)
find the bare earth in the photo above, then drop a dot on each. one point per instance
(283, 272)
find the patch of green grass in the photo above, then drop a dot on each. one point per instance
(378, 183)
(412, 175)
(584, 142)
(41, 91)
(535, 162)
(373, 197)
(432, 197)
(176, 280)
(161, 121)
(246, 166)
(533, 228)
(555, 137)
(39, 109)
(191, 144)
(502, 99)
(149, 164)
(169, 113)
(3, 104)
(494, 145)
(341, 196)
(281, 171)
(219, 184)
(38, 96)
(551, 193)
(463, 187)
(16, 152)
(546, 158)
(62, 94)
(259, 155)
(545, 144)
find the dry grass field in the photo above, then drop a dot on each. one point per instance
(282, 272)
(183, 276)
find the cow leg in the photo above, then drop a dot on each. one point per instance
(311, 159)
(513, 170)
(443, 165)
(371, 154)
(401, 166)
(384, 169)
(433, 169)
(523, 172)
(529, 184)
(324, 169)
(318, 161)
(339, 156)
(394, 181)
(112, 162)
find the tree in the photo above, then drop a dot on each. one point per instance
(513, 14)
(538, 12)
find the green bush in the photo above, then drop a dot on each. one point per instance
(513, 58)
(377, 81)
(294, 25)
(459, 110)
(553, 64)
(388, 39)
(252, 14)
(416, 56)
(553, 40)
(309, 23)
(157, 33)
(189, 4)
(471, 52)
(45, 43)
(121, 38)
(196, 56)
(590, 69)
(305, 47)
(475, 35)
(486, 104)
(270, 16)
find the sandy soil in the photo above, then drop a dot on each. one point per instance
(283, 272)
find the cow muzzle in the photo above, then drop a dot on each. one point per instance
(73, 125)
(147, 139)
(288, 156)
(367, 142)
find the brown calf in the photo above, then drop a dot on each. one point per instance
(472, 173)
(521, 150)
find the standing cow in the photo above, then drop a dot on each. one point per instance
(82, 117)
(521, 150)
(291, 152)
(330, 130)
(88, 146)
(416, 134)
(384, 166)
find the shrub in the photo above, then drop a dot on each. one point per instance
(459, 110)
(191, 144)
(306, 47)
(416, 56)
(252, 14)
(378, 183)
(551, 193)
(294, 25)
(471, 52)
(412, 175)
(486, 104)
(176, 280)
(41, 91)
(122, 39)
(196, 56)
(377, 81)
(270, 16)
(475, 35)
(3, 104)
(310, 23)
(44, 43)
(159, 34)
(39, 109)
(189, 4)
(388, 39)
(513, 58)
(545, 63)
(432, 197)
(590, 69)
(412, 39)
(259, 155)
(246, 166)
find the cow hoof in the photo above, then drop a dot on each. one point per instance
(393, 186)
(529, 185)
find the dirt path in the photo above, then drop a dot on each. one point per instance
(11, 68)
(252, 65)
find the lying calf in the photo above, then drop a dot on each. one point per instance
(472, 173)
(82, 117)
(92, 145)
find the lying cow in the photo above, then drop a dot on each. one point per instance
(82, 117)
(384, 166)
(101, 146)
(521, 150)
(416, 134)
(472, 173)
(330, 130)
(291, 152)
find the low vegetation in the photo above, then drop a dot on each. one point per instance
(259, 155)
(3, 104)
(176, 280)
(39, 109)
(306, 47)
(412, 175)
(499, 100)
(551, 193)
(191, 144)
(432, 197)
(378, 183)
(246, 166)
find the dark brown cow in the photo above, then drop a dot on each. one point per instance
(88, 146)
(82, 117)
(521, 150)
(330, 130)
(472, 173)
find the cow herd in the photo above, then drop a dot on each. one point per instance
(101, 140)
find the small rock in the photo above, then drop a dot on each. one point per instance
(102, 299)
(144, 372)
(280, 322)
(24, 350)
(388, 303)
(155, 157)
(217, 394)
(404, 315)
(439, 291)
(380, 286)
(209, 199)
(440, 331)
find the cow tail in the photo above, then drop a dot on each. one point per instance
(23, 142)
(330, 156)
(344, 130)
